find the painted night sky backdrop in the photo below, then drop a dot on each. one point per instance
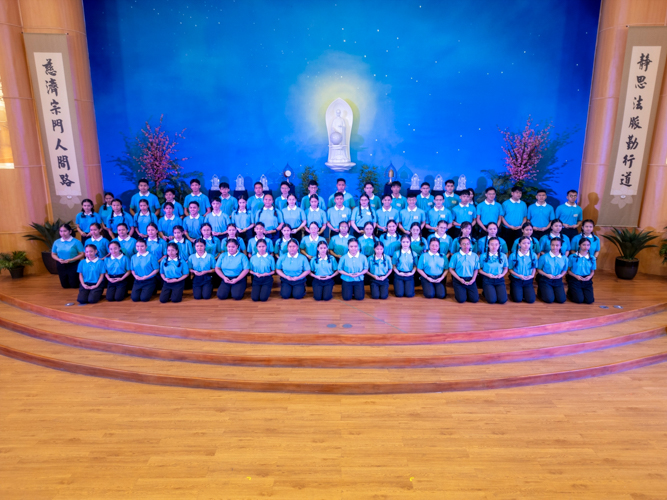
(429, 81)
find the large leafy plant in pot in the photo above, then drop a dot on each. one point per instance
(15, 263)
(48, 233)
(629, 244)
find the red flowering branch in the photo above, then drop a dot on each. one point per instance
(157, 152)
(524, 151)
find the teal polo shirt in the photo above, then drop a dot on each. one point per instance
(141, 221)
(102, 245)
(192, 225)
(212, 246)
(489, 212)
(353, 264)
(156, 247)
(252, 245)
(582, 266)
(456, 245)
(434, 216)
(464, 213)
(294, 217)
(425, 203)
(228, 205)
(218, 222)
(201, 198)
(174, 269)
(128, 246)
(113, 221)
(522, 264)
(399, 203)
(381, 266)
(324, 267)
(493, 264)
(305, 203)
(338, 243)
(593, 239)
(541, 216)
(384, 216)
(262, 264)
(367, 245)
(318, 216)
(223, 245)
(535, 245)
(361, 216)
(451, 201)
(545, 243)
(408, 217)
(336, 216)
(570, 215)
(166, 226)
(153, 202)
(201, 263)
(464, 265)
(84, 221)
(405, 261)
(481, 245)
(143, 265)
(552, 264)
(310, 245)
(391, 242)
(515, 212)
(293, 266)
(178, 209)
(185, 248)
(242, 220)
(117, 267)
(348, 200)
(91, 270)
(270, 217)
(432, 264)
(232, 265)
(445, 242)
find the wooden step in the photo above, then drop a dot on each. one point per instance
(335, 380)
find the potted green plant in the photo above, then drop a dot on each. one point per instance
(48, 234)
(629, 244)
(15, 263)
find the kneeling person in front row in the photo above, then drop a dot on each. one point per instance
(352, 267)
(464, 265)
(380, 267)
(173, 270)
(262, 269)
(232, 267)
(144, 267)
(91, 275)
(323, 269)
(551, 267)
(493, 267)
(522, 265)
(582, 267)
(293, 267)
(433, 269)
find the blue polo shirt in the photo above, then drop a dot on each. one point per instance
(153, 202)
(305, 203)
(157, 247)
(456, 245)
(375, 203)
(166, 226)
(582, 266)
(451, 201)
(545, 243)
(102, 246)
(192, 225)
(91, 270)
(464, 213)
(432, 264)
(515, 212)
(252, 245)
(117, 267)
(405, 261)
(184, 248)
(201, 198)
(540, 216)
(464, 265)
(319, 216)
(293, 266)
(228, 205)
(381, 266)
(294, 217)
(270, 217)
(418, 246)
(338, 243)
(233, 265)
(84, 221)
(212, 246)
(309, 245)
(242, 220)
(552, 264)
(128, 246)
(262, 264)
(178, 209)
(522, 264)
(141, 221)
(367, 245)
(351, 264)
(242, 247)
(399, 203)
(408, 217)
(570, 215)
(336, 216)
(445, 242)
(481, 245)
(392, 243)
(105, 211)
(113, 221)
(324, 267)
(280, 202)
(143, 265)
(425, 204)
(361, 216)
(280, 247)
(174, 269)
(493, 264)
(255, 203)
(218, 222)
(434, 216)
(348, 200)
(489, 212)
(384, 216)
(593, 239)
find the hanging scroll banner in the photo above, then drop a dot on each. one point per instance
(643, 70)
(48, 60)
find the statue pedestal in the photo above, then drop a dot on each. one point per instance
(340, 167)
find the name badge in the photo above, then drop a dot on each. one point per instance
(415, 217)
(576, 215)
(368, 213)
(469, 212)
(344, 216)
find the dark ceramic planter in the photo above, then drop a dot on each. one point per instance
(626, 269)
(17, 272)
(49, 263)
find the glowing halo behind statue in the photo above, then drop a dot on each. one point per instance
(339, 120)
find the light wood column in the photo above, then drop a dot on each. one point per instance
(24, 196)
(615, 17)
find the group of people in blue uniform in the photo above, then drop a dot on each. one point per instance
(374, 241)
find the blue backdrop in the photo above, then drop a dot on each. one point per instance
(430, 82)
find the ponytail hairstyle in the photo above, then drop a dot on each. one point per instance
(463, 226)
(145, 202)
(275, 212)
(90, 245)
(409, 238)
(364, 195)
(152, 224)
(486, 243)
(97, 225)
(371, 224)
(92, 210)
(532, 254)
(178, 254)
(122, 224)
(206, 224)
(595, 238)
(552, 225)
(113, 215)
(486, 250)
(317, 257)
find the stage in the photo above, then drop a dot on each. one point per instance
(367, 347)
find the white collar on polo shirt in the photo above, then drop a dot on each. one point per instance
(387, 210)
(98, 239)
(216, 215)
(116, 258)
(172, 217)
(239, 211)
(200, 256)
(68, 239)
(432, 254)
(317, 237)
(144, 195)
(233, 255)
(439, 209)
(269, 208)
(261, 255)
(126, 239)
(145, 254)
(464, 206)
(413, 210)
(326, 257)
(493, 254)
(339, 209)
(172, 259)
(290, 256)
(353, 256)
(555, 256)
(555, 235)
(463, 253)
(492, 203)
(179, 241)
(406, 251)
(515, 202)
(415, 239)
(449, 195)
(541, 204)
(568, 204)
(292, 208)
(368, 237)
(314, 209)
(587, 256)
(93, 261)
(524, 254)
(346, 236)
(151, 239)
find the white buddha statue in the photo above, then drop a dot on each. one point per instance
(339, 119)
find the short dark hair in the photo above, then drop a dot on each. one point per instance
(170, 190)
(313, 182)
(573, 191)
(338, 195)
(195, 181)
(490, 189)
(193, 203)
(142, 180)
(284, 183)
(217, 198)
(386, 196)
(541, 191)
(412, 195)
(449, 181)
(440, 195)
(369, 183)
(340, 179)
(517, 188)
(224, 185)
(258, 184)
(396, 183)
(168, 204)
(425, 184)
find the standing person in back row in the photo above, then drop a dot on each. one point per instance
(515, 214)
(540, 214)
(570, 214)
(199, 197)
(348, 200)
(144, 194)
